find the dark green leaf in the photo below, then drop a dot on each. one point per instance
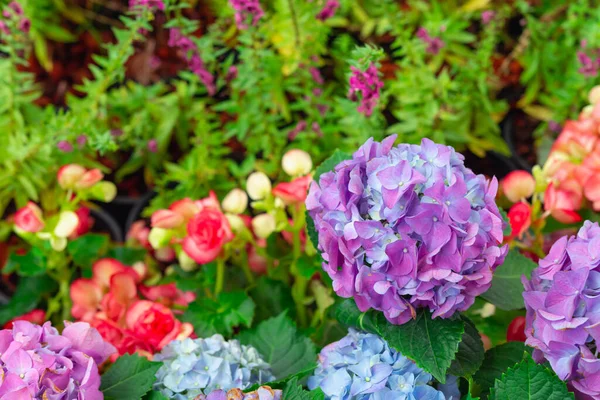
(126, 255)
(27, 296)
(528, 380)
(231, 310)
(470, 352)
(418, 339)
(329, 164)
(294, 391)
(507, 290)
(282, 383)
(87, 249)
(496, 361)
(32, 263)
(130, 377)
(281, 345)
(154, 395)
(506, 229)
(311, 230)
(272, 298)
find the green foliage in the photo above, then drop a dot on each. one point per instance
(271, 298)
(528, 380)
(87, 249)
(27, 296)
(470, 353)
(294, 391)
(506, 291)
(130, 377)
(229, 310)
(32, 263)
(497, 360)
(418, 339)
(281, 345)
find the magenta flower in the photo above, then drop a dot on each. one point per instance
(151, 4)
(192, 56)
(562, 304)
(589, 67)
(369, 86)
(152, 146)
(328, 10)
(487, 16)
(81, 141)
(300, 126)
(37, 362)
(246, 10)
(64, 146)
(434, 45)
(407, 227)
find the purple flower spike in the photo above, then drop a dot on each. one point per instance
(38, 363)
(369, 85)
(562, 301)
(328, 10)
(407, 227)
(64, 146)
(246, 10)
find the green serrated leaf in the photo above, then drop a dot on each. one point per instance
(232, 309)
(32, 263)
(506, 291)
(27, 296)
(496, 361)
(281, 345)
(470, 352)
(126, 255)
(329, 164)
(418, 339)
(130, 377)
(312, 231)
(87, 249)
(506, 229)
(531, 381)
(272, 298)
(294, 391)
(154, 395)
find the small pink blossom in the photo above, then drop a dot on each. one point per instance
(368, 84)
(246, 10)
(328, 10)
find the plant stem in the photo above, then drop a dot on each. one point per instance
(220, 276)
(295, 22)
(246, 268)
(300, 282)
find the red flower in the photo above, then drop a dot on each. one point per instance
(562, 204)
(85, 222)
(166, 219)
(293, 192)
(34, 316)
(29, 218)
(207, 232)
(519, 216)
(155, 324)
(516, 330)
(167, 295)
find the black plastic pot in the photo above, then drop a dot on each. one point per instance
(135, 213)
(508, 133)
(104, 222)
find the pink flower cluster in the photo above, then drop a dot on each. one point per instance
(150, 4)
(246, 10)
(110, 301)
(434, 44)
(192, 56)
(328, 10)
(14, 18)
(573, 167)
(589, 60)
(368, 84)
(199, 227)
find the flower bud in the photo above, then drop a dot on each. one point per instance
(594, 95)
(29, 218)
(68, 175)
(89, 179)
(518, 185)
(104, 191)
(58, 243)
(186, 262)
(67, 223)
(258, 186)
(141, 269)
(166, 219)
(235, 222)
(185, 207)
(296, 162)
(235, 202)
(263, 225)
(159, 237)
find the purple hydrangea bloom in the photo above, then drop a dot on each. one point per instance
(246, 10)
(38, 362)
(368, 84)
(361, 366)
(328, 10)
(201, 366)
(563, 311)
(406, 227)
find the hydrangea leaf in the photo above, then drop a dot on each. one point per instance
(507, 229)
(294, 391)
(419, 339)
(470, 352)
(281, 345)
(496, 361)
(86, 249)
(130, 377)
(231, 309)
(154, 395)
(329, 164)
(272, 297)
(528, 380)
(506, 291)
(312, 231)
(282, 383)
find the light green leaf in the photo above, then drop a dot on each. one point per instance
(231, 310)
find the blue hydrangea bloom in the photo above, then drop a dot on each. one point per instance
(361, 366)
(194, 367)
(407, 227)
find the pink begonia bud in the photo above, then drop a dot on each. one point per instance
(29, 218)
(258, 185)
(69, 175)
(89, 179)
(518, 185)
(166, 219)
(67, 223)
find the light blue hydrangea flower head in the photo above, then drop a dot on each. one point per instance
(192, 367)
(361, 366)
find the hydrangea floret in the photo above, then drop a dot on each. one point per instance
(563, 322)
(362, 366)
(407, 227)
(38, 362)
(193, 367)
